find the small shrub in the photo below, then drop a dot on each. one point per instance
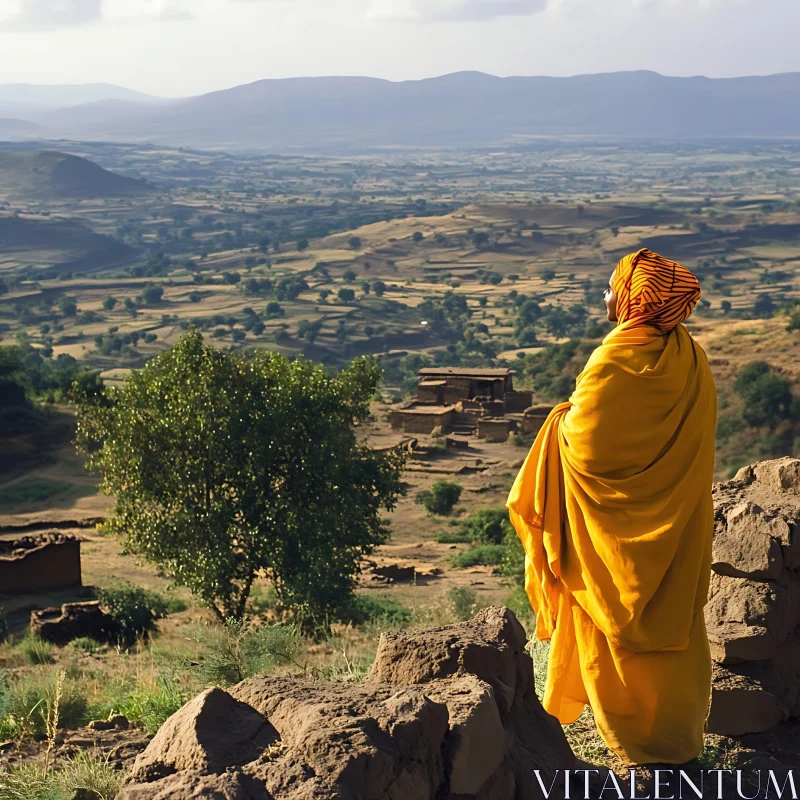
(485, 555)
(36, 650)
(452, 538)
(85, 644)
(462, 601)
(441, 498)
(151, 706)
(487, 526)
(237, 650)
(378, 608)
(91, 771)
(133, 611)
(175, 604)
(87, 770)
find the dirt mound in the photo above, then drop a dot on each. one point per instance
(447, 713)
(754, 604)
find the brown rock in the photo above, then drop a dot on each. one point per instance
(478, 743)
(449, 713)
(491, 646)
(210, 734)
(753, 611)
(750, 543)
(740, 705)
(196, 785)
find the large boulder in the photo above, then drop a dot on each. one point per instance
(754, 600)
(449, 713)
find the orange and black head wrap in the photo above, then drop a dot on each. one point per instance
(652, 290)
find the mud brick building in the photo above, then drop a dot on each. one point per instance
(469, 401)
(39, 563)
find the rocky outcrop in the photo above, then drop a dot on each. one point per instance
(449, 713)
(753, 611)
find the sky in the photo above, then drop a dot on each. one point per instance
(176, 48)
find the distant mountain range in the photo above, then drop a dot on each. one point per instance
(465, 109)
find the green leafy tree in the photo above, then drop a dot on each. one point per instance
(109, 303)
(152, 295)
(379, 287)
(346, 295)
(767, 397)
(68, 306)
(224, 464)
(302, 244)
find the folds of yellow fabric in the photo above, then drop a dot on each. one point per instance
(613, 508)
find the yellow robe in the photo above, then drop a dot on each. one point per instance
(613, 507)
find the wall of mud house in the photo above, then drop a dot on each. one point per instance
(411, 422)
(52, 565)
(517, 402)
(495, 429)
(532, 423)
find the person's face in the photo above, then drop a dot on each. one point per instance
(610, 298)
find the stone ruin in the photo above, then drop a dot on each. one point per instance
(449, 713)
(468, 401)
(753, 611)
(72, 621)
(41, 563)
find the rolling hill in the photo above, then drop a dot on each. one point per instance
(57, 243)
(466, 109)
(51, 175)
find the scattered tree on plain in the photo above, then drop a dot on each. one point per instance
(225, 463)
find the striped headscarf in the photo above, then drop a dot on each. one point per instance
(652, 290)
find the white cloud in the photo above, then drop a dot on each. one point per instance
(453, 10)
(37, 15)
(146, 10)
(43, 15)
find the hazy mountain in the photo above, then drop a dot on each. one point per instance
(460, 110)
(14, 129)
(50, 175)
(59, 96)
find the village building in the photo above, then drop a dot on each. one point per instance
(454, 400)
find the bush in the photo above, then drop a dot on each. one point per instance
(767, 397)
(85, 644)
(36, 650)
(148, 706)
(236, 650)
(133, 612)
(487, 526)
(485, 555)
(380, 608)
(452, 538)
(441, 498)
(88, 770)
(463, 602)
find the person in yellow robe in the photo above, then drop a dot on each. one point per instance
(613, 507)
